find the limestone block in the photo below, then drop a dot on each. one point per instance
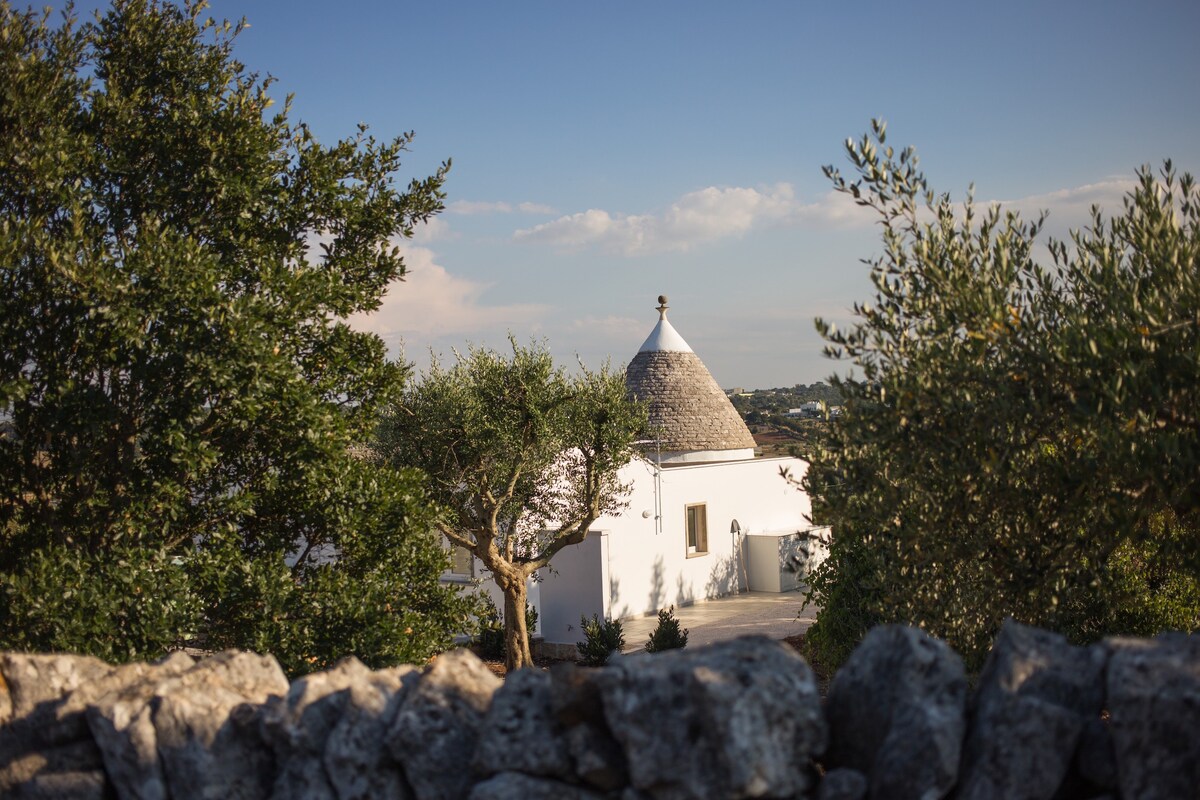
(357, 760)
(740, 718)
(1036, 694)
(520, 732)
(518, 786)
(298, 726)
(842, 784)
(897, 714)
(1154, 703)
(437, 726)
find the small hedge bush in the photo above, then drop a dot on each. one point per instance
(668, 635)
(601, 638)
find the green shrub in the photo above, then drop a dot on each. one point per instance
(489, 633)
(385, 606)
(184, 408)
(129, 604)
(601, 638)
(1140, 591)
(667, 635)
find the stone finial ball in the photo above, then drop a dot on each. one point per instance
(662, 299)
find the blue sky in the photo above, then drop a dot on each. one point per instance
(605, 153)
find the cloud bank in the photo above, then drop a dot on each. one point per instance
(696, 218)
(1071, 208)
(714, 213)
(478, 207)
(432, 303)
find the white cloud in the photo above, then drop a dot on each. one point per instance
(714, 213)
(433, 230)
(469, 207)
(475, 207)
(608, 324)
(1071, 208)
(431, 302)
(535, 208)
(697, 217)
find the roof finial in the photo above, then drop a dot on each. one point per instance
(662, 306)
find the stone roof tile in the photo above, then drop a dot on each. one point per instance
(687, 408)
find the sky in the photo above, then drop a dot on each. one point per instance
(608, 152)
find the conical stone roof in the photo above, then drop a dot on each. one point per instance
(690, 417)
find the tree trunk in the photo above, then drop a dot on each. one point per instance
(516, 635)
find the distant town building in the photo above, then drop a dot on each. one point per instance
(809, 410)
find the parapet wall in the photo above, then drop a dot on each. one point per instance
(737, 719)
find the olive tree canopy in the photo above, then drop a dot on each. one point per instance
(521, 456)
(1021, 435)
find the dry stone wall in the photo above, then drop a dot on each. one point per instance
(738, 719)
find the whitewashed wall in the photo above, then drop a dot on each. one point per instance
(631, 566)
(648, 569)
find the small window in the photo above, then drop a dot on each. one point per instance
(697, 529)
(462, 562)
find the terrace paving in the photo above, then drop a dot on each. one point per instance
(777, 615)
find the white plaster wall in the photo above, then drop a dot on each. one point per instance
(574, 586)
(649, 570)
(628, 567)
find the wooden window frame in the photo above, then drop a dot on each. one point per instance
(457, 553)
(700, 536)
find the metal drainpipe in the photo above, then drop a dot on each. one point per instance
(658, 521)
(657, 465)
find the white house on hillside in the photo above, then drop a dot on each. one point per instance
(705, 517)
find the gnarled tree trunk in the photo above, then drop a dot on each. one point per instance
(516, 635)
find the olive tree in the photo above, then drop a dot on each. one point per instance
(180, 396)
(1020, 438)
(521, 456)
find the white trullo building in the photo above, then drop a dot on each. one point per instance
(706, 518)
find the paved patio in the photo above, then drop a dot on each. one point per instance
(777, 615)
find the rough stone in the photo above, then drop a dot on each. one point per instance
(64, 785)
(1154, 706)
(597, 757)
(298, 726)
(437, 726)
(575, 700)
(207, 725)
(1095, 757)
(520, 732)
(190, 730)
(630, 793)
(29, 680)
(118, 715)
(897, 714)
(1036, 694)
(71, 770)
(738, 719)
(517, 786)
(842, 784)
(357, 761)
(745, 720)
(45, 746)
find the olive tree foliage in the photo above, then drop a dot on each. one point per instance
(179, 393)
(521, 456)
(1022, 437)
